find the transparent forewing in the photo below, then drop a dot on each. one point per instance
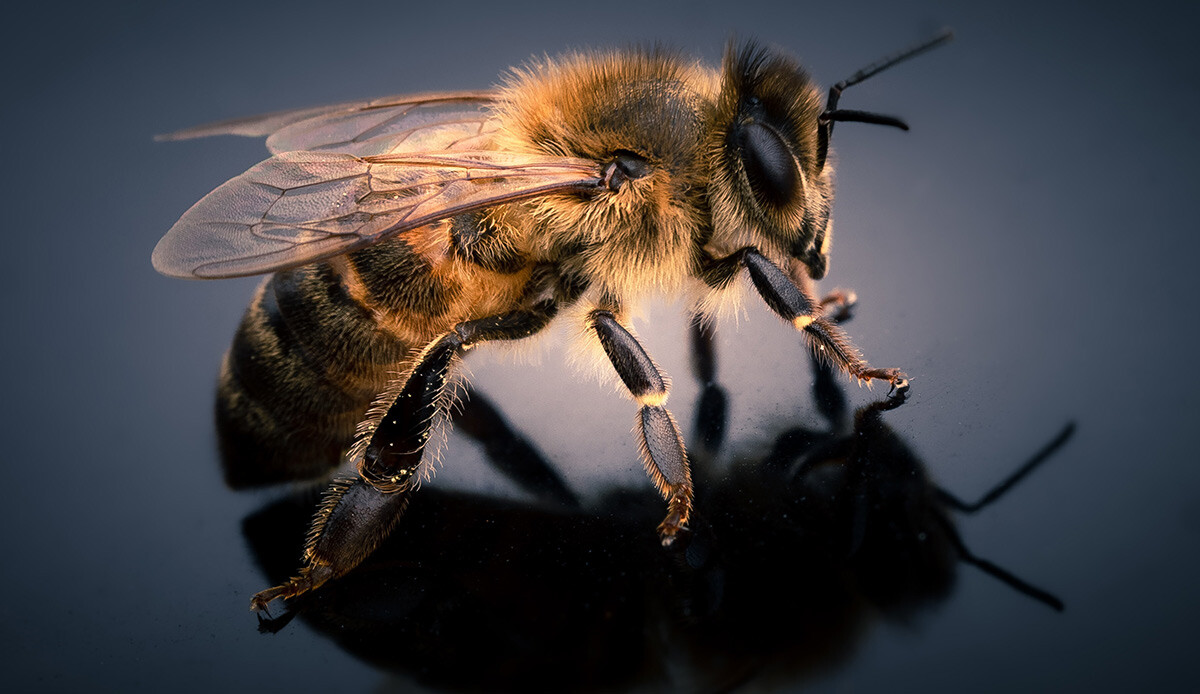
(419, 126)
(300, 207)
(410, 123)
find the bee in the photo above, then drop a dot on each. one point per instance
(404, 231)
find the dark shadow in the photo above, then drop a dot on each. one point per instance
(791, 556)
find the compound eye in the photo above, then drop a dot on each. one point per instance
(769, 164)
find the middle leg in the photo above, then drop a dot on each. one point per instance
(660, 442)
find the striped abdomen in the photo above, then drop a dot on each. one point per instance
(319, 343)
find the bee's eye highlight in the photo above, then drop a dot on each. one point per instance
(768, 163)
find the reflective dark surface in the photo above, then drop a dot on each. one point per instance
(1026, 253)
(794, 555)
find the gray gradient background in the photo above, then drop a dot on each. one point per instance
(1027, 253)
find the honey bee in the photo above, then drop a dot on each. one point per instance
(402, 232)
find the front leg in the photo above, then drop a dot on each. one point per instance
(797, 305)
(359, 512)
(657, 433)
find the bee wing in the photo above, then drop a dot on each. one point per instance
(406, 123)
(300, 207)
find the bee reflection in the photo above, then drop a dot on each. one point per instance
(790, 558)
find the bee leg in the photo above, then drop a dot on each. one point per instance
(713, 404)
(351, 522)
(825, 338)
(657, 433)
(828, 395)
(358, 513)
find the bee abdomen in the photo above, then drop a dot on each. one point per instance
(305, 364)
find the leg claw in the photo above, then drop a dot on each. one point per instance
(670, 529)
(896, 377)
(310, 578)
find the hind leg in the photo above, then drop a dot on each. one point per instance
(359, 512)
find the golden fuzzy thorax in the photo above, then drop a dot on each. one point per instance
(653, 105)
(651, 234)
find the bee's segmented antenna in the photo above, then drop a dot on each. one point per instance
(832, 114)
(852, 116)
(993, 570)
(835, 92)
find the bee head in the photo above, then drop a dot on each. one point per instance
(770, 168)
(769, 178)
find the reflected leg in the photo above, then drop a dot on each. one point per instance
(510, 453)
(712, 406)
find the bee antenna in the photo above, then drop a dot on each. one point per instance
(1028, 589)
(845, 115)
(833, 114)
(996, 492)
(1011, 481)
(1004, 576)
(835, 92)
